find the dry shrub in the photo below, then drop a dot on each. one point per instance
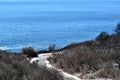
(14, 67)
(85, 60)
(92, 56)
(109, 70)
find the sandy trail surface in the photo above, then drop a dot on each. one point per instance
(42, 60)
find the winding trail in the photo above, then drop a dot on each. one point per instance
(42, 60)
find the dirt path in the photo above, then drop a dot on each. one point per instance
(42, 60)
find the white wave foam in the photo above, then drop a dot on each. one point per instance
(4, 48)
(18, 47)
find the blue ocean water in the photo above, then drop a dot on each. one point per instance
(41, 23)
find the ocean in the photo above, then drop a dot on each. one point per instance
(42, 23)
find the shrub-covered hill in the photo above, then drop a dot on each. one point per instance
(101, 57)
(110, 42)
(14, 66)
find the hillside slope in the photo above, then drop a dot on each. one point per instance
(100, 57)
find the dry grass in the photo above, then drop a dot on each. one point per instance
(91, 57)
(15, 67)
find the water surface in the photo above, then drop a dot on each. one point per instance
(42, 23)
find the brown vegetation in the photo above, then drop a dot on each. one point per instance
(100, 56)
(14, 67)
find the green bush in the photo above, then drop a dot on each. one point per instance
(102, 36)
(51, 48)
(30, 52)
(117, 30)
